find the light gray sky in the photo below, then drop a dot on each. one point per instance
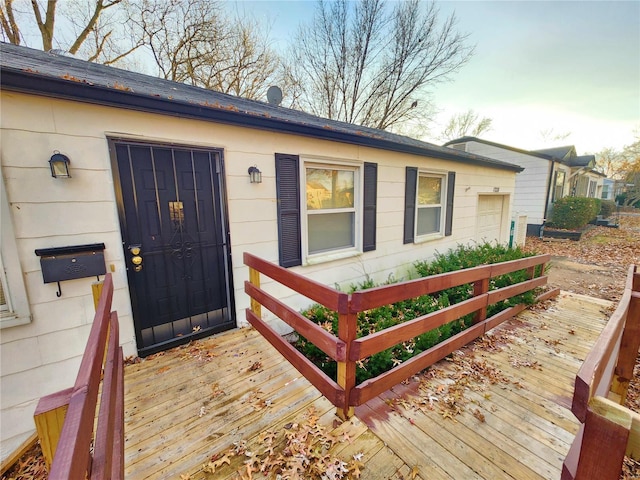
(570, 66)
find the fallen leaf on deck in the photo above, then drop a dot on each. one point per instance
(414, 472)
(254, 367)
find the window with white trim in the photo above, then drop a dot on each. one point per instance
(331, 207)
(4, 306)
(14, 308)
(558, 190)
(325, 209)
(430, 204)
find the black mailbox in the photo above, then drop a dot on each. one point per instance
(68, 263)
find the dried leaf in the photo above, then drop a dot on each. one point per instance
(254, 367)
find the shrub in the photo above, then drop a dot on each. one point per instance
(574, 212)
(387, 316)
(607, 208)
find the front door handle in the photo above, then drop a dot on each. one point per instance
(136, 259)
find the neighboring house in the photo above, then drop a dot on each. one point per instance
(609, 189)
(548, 175)
(159, 174)
(584, 179)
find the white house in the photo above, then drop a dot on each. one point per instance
(159, 175)
(547, 176)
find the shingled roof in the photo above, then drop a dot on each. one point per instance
(566, 155)
(33, 71)
(468, 138)
(559, 153)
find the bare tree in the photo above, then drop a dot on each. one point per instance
(371, 64)
(608, 161)
(193, 41)
(549, 135)
(10, 29)
(466, 123)
(92, 33)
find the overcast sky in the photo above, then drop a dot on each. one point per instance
(570, 66)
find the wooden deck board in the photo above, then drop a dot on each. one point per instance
(189, 404)
(527, 427)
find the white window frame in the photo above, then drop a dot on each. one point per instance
(358, 181)
(559, 172)
(443, 205)
(17, 305)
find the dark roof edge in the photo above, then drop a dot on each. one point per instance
(30, 82)
(499, 145)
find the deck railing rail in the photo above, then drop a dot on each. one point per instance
(347, 350)
(608, 430)
(65, 420)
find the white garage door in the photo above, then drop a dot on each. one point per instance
(490, 217)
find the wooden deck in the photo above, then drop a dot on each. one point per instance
(500, 411)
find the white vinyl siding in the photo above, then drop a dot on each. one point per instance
(531, 184)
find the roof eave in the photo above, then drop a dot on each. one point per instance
(466, 139)
(32, 83)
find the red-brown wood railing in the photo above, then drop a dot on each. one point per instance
(65, 420)
(347, 350)
(608, 430)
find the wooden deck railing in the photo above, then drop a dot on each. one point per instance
(347, 350)
(608, 430)
(65, 420)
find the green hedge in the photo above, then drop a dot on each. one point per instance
(607, 208)
(574, 212)
(389, 315)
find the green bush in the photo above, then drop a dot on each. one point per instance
(378, 319)
(607, 208)
(574, 212)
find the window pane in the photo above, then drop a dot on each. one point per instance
(3, 301)
(327, 188)
(428, 220)
(429, 190)
(331, 231)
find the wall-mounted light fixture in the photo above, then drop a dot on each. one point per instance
(59, 165)
(255, 175)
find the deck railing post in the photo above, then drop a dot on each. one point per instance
(347, 327)
(480, 287)
(49, 419)
(254, 279)
(629, 345)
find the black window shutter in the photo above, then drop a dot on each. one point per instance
(369, 211)
(451, 186)
(410, 185)
(288, 191)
